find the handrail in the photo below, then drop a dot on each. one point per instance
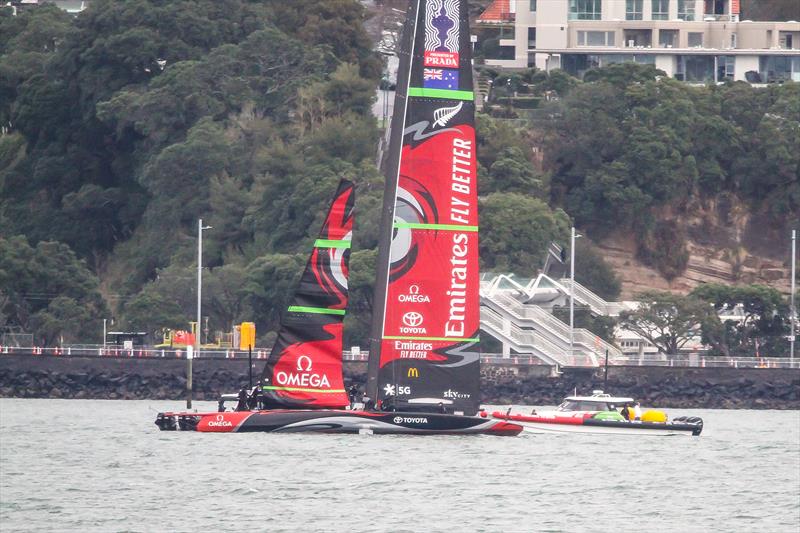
(697, 360)
(590, 298)
(531, 339)
(581, 336)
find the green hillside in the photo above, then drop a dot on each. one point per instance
(122, 126)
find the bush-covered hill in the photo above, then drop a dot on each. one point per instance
(124, 125)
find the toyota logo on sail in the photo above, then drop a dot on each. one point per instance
(307, 366)
(413, 324)
(412, 319)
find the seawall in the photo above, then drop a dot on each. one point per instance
(43, 376)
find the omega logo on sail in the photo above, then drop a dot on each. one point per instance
(304, 377)
(413, 295)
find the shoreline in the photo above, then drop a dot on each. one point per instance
(165, 379)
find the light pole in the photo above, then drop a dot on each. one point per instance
(793, 309)
(105, 335)
(190, 356)
(572, 290)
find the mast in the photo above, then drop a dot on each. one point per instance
(389, 192)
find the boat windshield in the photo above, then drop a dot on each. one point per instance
(575, 405)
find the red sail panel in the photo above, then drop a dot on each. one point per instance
(431, 309)
(305, 366)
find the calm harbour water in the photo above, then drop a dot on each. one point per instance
(93, 465)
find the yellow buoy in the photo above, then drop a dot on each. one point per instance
(654, 416)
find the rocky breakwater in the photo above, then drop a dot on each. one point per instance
(26, 376)
(30, 376)
(711, 388)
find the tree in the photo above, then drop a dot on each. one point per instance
(668, 320)
(358, 320)
(48, 291)
(764, 322)
(271, 281)
(623, 74)
(513, 172)
(593, 272)
(516, 231)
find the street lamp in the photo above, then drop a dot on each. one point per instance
(190, 356)
(793, 310)
(572, 289)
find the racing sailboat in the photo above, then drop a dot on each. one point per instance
(423, 370)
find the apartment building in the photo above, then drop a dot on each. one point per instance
(697, 41)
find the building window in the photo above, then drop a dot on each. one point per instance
(778, 69)
(634, 9)
(533, 6)
(531, 37)
(686, 10)
(595, 38)
(696, 69)
(786, 40)
(695, 39)
(725, 68)
(660, 9)
(637, 38)
(585, 9)
(668, 38)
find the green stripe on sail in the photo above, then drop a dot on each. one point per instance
(316, 310)
(454, 339)
(298, 389)
(329, 243)
(417, 225)
(441, 93)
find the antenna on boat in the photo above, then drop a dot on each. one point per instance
(605, 377)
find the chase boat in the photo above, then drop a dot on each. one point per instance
(599, 413)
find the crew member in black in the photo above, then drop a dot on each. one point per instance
(255, 397)
(626, 413)
(242, 405)
(353, 394)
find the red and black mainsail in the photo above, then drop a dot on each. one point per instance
(424, 346)
(304, 368)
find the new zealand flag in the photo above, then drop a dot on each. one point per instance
(440, 78)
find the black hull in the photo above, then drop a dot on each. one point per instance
(336, 421)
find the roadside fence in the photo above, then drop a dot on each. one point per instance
(661, 360)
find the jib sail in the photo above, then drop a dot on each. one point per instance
(424, 347)
(305, 365)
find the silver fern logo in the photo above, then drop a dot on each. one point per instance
(443, 115)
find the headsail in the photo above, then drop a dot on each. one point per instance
(304, 368)
(424, 345)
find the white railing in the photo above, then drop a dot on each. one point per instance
(692, 360)
(531, 341)
(582, 338)
(581, 293)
